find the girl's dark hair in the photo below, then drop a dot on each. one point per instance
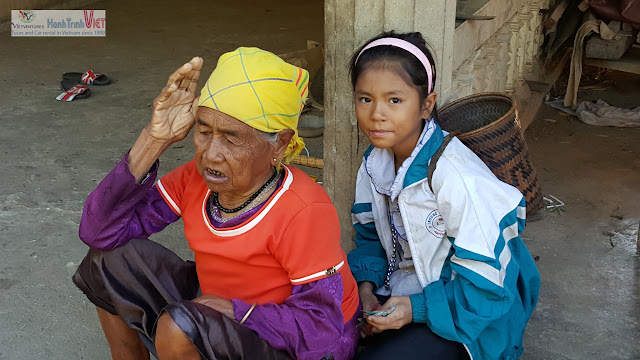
(414, 72)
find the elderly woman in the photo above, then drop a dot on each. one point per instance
(270, 279)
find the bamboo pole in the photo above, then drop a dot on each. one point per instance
(309, 161)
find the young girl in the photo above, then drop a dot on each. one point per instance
(444, 254)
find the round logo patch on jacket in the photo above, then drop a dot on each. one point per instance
(435, 224)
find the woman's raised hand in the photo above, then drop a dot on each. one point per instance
(175, 108)
(173, 117)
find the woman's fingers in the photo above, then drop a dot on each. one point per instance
(186, 80)
(185, 77)
(193, 75)
(194, 108)
(164, 95)
(179, 74)
(197, 63)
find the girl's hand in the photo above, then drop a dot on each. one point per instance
(175, 108)
(369, 301)
(400, 317)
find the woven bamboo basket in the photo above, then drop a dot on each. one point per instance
(488, 124)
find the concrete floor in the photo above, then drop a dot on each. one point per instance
(53, 154)
(588, 307)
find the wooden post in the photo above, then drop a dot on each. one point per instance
(348, 24)
(502, 64)
(512, 65)
(436, 20)
(491, 51)
(464, 74)
(524, 37)
(534, 29)
(638, 240)
(480, 73)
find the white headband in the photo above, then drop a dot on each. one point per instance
(405, 45)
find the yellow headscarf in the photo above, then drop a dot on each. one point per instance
(260, 89)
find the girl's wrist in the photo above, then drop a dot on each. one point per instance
(409, 316)
(366, 285)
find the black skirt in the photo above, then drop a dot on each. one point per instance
(140, 280)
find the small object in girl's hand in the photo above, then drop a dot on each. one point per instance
(381, 312)
(361, 322)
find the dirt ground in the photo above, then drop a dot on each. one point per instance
(588, 306)
(53, 154)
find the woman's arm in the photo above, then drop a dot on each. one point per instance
(308, 325)
(120, 209)
(125, 205)
(310, 322)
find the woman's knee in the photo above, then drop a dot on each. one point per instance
(171, 342)
(97, 260)
(117, 255)
(167, 329)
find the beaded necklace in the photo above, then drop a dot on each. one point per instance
(394, 241)
(216, 202)
(213, 210)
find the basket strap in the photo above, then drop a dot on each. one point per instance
(435, 158)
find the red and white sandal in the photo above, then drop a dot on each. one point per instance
(75, 92)
(88, 77)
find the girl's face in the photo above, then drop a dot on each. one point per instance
(389, 111)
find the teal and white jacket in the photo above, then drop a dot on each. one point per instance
(479, 281)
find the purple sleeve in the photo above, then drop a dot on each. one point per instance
(308, 325)
(119, 209)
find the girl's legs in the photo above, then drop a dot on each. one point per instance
(124, 342)
(413, 341)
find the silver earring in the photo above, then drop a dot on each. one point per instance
(275, 160)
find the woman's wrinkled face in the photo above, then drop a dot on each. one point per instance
(231, 156)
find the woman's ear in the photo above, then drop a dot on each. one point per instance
(284, 137)
(428, 104)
